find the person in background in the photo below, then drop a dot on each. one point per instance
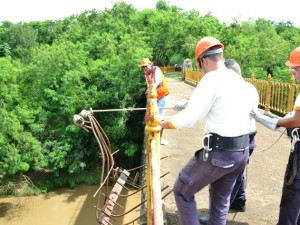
(154, 74)
(238, 194)
(222, 99)
(289, 210)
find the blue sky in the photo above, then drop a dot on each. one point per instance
(39, 10)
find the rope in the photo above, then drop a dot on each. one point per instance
(282, 132)
(126, 109)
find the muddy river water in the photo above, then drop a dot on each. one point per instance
(61, 207)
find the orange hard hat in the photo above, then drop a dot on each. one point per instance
(294, 59)
(204, 44)
(145, 62)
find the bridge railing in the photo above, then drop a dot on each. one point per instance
(167, 69)
(153, 193)
(277, 97)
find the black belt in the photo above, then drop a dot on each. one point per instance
(219, 143)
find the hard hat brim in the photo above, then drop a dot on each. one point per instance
(289, 64)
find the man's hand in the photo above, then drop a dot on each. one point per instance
(180, 105)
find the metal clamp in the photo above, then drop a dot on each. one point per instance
(295, 138)
(206, 147)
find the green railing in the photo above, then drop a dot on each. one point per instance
(273, 96)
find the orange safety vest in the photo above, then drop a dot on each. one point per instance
(162, 89)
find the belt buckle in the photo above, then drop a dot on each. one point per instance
(295, 138)
(206, 147)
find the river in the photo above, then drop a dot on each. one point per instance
(61, 207)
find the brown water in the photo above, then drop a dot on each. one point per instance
(61, 207)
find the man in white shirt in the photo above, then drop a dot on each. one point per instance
(238, 194)
(222, 99)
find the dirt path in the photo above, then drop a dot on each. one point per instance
(264, 173)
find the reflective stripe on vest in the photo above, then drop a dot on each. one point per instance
(162, 90)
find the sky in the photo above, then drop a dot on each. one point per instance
(225, 10)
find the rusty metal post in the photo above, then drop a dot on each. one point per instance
(152, 132)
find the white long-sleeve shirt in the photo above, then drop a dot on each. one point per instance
(254, 94)
(224, 100)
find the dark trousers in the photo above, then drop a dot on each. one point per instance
(290, 204)
(289, 211)
(239, 189)
(220, 172)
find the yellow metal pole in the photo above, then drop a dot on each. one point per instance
(252, 78)
(268, 95)
(152, 132)
(291, 94)
(157, 217)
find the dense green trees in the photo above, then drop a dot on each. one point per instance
(20, 150)
(51, 70)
